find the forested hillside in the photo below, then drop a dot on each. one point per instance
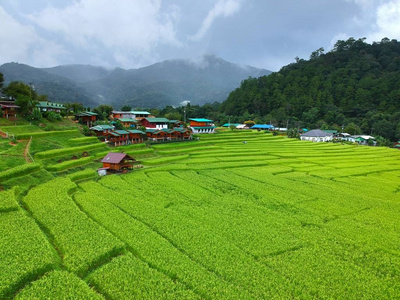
(356, 85)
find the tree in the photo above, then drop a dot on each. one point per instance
(118, 125)
(1, 80)
(126, 108)
(76, 107)
(53, 116)
(352, 128)
(36, 114)
(293, 133)
(18, 88)
(103, 111)
(26, 105)
(249, 123)
(317, 53)
(173, 116)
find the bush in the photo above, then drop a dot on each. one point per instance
(27, 135)
(70, 150)
(69, 164)
(19, 171)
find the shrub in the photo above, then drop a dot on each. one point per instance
(70, 150)
(19, 171)
(69, 164)
(27, 135)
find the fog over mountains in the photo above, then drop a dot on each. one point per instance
(201, 80)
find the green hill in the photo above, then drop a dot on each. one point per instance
(356, 83)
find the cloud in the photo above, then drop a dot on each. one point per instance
(21, 43)
(129, 29)
(223, 8)
(387, 21)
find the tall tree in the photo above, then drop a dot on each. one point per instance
(1, 80)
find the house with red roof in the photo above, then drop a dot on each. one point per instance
(154, 123)
(116, 162)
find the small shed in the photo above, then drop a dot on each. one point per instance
(9, 110)
(117, 162)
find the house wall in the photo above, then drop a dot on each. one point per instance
(198, 124)
(316, 139)
(203, 130)
(153, 125)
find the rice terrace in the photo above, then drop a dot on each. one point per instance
(235, 215)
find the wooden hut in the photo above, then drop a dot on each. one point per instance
(9, 110)
(136, 136)
(116, 162)
(86, 117)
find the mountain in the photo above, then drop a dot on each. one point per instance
(202, 80)
(56, 87)
(79, 73)
(355, 84)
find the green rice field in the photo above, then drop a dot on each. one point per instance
(239, 215)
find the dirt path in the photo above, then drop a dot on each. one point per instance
(26, 152)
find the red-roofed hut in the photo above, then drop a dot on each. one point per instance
(117, 162)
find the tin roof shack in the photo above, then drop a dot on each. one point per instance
(136, 136)
(86, 117)
(101, 130)
(9, 110)
(154, 123)
(116, 162)
(127, 122)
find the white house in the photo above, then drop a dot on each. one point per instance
(316, 135)
(360, 139)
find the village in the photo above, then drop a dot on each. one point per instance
(140, 126)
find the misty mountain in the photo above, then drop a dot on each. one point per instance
(56, 87)
(79, 73)
(202, 80)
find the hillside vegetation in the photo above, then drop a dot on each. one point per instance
(211, 219)
(355, 84)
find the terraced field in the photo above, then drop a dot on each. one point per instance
(233, 216)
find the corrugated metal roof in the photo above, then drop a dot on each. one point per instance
(262, 126)
(127, 120)
(157, 120)
(115, 158)
(140, 112)
(229, 124)
(86, 114)
(121, 131)
(136, 131)
(101, 127)
(201, 120)
(316, 133)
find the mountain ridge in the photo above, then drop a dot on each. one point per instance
(200, 80)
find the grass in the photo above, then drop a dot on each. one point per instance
(210, 219)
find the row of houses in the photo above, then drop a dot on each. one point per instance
(318, 135)
(134, 136)
(135, 119)
(10, 110)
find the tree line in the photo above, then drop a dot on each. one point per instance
(355, 88)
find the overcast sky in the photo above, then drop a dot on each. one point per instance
(135, 33)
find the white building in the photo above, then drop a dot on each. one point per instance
(316, 135)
